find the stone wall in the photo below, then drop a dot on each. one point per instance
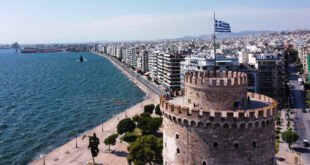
(219, 92)
(218, 145)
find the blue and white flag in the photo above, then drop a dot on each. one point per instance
(221, 26)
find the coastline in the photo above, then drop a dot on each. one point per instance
(70, 155)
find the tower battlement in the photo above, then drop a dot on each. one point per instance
(222, 79)
(222, 90)
(194, 113)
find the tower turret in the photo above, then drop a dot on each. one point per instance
(218, 122)
(224, 90)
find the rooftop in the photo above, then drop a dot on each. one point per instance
(255, 103)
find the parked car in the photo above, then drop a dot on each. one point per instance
(306, 143)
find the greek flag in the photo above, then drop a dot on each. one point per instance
(221, 26)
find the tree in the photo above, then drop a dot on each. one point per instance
(289, 137)
(110, 140)
(136, 118)
(146, 149)
(149, 108)
(149, 125)
(157, 110)
(145, 114)
(125, 125)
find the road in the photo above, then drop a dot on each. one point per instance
(139, 77)
(302, 119)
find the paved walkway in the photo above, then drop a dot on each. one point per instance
(285, 155)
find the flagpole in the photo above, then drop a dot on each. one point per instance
(214, 48)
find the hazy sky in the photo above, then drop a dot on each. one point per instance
(50, 21)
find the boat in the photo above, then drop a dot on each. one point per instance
(29, 50)
(81, 59)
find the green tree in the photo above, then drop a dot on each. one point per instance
(136, 118)
(110, 140)
(125, 125)
(145, 114)
(289, 137)
(149, 108)
(145, 150)
(157, 110)
(149, 125)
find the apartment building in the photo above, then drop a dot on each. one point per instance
(271, 74)
(171, 70)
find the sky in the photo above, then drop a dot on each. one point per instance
(71, 21)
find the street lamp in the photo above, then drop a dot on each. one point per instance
(101, 127)
(43, 156)
(76, 143)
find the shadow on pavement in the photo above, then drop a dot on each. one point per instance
(280, 159)
(120, 153)
(301, 149)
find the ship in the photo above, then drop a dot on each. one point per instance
(81, 59)
(40, 50)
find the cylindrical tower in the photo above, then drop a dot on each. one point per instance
(218, 122)
(219, 91)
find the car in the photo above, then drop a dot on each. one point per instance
(306, 143)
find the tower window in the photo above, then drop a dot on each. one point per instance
(254, 144)
(177, 136)
(215, 145)
(236, 145)
(204, 163)
(178, 150)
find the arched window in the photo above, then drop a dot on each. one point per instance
(254, 144)
(204, 163)
(215, 145)
(236, 145)
(178, 150)
(176, 136)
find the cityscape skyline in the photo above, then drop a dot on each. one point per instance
(79, 21)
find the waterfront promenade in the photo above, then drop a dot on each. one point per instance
(133, 76)
(70, 155)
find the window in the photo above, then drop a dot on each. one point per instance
(178, 150)
(236, 105)
(215, 145)
(236, 145)
(254, 144)
(177, 136)
(189, 101)
(204, 163)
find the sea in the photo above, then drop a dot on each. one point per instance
(47, 99)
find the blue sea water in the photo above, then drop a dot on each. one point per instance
(48, 99)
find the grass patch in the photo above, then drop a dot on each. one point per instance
(277, 146)
(131, 137)
(137, 132)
